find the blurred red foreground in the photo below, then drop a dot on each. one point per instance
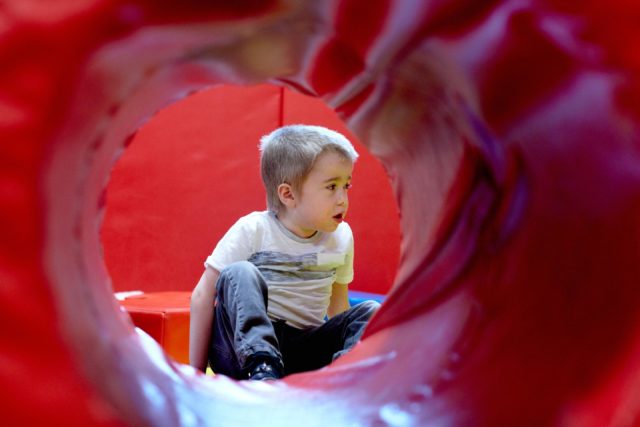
(509, 134)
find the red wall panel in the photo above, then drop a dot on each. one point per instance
(194, 169)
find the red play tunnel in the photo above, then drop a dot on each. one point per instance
(508, 133)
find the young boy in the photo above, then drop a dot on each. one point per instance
(277, 274)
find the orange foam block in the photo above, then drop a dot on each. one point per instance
(165, 317)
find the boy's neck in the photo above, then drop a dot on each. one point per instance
(290, 225)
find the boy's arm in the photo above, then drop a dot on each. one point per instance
(201, 321)
(339, 301)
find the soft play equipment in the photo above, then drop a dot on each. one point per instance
(509, 134)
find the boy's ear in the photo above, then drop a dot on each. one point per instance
(285, 193)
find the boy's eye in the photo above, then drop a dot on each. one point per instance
(333, 187)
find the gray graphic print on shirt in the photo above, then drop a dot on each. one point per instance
(281, 267)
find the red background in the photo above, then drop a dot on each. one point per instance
(194, 169)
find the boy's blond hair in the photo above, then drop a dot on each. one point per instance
(288, 154)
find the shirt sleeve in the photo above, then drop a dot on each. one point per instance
(236, 245)
(344, 273)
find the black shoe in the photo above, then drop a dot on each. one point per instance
(263, 366)
(264, 372)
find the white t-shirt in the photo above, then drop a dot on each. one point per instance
(299, 272)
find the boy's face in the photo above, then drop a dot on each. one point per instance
(322, 202)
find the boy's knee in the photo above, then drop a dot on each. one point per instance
(241, 272)
(239, 268)
(367, 308)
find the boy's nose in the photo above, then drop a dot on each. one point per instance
(343, 198)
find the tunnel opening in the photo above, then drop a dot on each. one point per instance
(198, 160)
(190, 172)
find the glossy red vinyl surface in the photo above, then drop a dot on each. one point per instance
(509, 134)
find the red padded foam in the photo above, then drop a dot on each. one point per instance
(164, 316)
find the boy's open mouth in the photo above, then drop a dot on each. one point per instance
(338, 217)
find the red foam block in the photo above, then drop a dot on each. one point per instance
(165, 317)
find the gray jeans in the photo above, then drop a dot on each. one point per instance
(242, 328)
